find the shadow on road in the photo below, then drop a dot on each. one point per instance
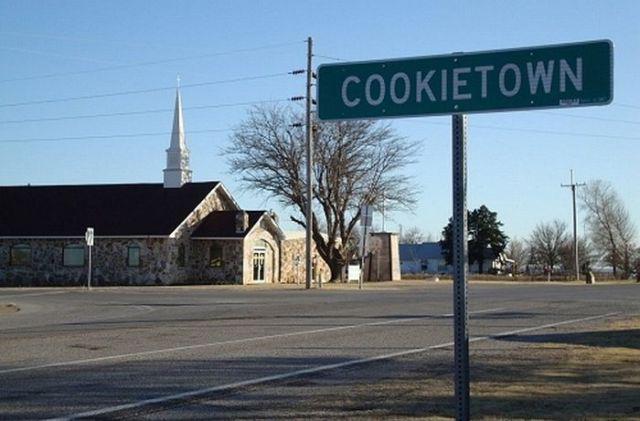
(626, 338)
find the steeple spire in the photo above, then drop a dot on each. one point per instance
(177, 172)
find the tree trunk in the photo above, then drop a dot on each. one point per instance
(336, 267)
(481, 266)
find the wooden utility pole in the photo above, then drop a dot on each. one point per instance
(573, 186)
(309, 135)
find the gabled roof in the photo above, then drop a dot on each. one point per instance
(222, 224)
(111, 209)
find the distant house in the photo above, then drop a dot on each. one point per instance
(428, 258)
(422, 258)
(174, 232)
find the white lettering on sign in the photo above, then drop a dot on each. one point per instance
(516, 83)
(464, 83)
(443, 85)
(483, 78)
(367, 89)
(541, 73)
(394, 95)
(458, 83)
(422, 84)
(345, 86)
(576, 78)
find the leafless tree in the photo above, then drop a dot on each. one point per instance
(413, 235)
(355, 163)
(610, 228)
(585, 255)
(517, 251)
(547, 242)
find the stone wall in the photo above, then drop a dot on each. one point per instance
(173, 273)
(231, 270)
(109, 263)
(159, 257)
(293, 262)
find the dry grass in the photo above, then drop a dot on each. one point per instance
(592, 375)
(8, 309)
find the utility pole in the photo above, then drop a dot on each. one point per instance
(573, 186)
(309, 134)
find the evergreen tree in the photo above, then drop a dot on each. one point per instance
(485, 238)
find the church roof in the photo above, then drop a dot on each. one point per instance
(111, 209)
(222, 224)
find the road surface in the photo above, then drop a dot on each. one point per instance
(215, 352)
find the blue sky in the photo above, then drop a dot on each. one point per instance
(517, 160)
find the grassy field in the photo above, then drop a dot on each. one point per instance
(586, 375)
(593, 374)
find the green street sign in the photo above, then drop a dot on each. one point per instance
(566, 75)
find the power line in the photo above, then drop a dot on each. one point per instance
(106, 137)
(618, 104)
(552, 132)
(528, 130)
(52, 54)
(151, 63)
(142, 91)
(329, 57)
(140, 112)
(127, 44)
(615, 120)
(511, 129)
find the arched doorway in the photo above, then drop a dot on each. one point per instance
(263, 263)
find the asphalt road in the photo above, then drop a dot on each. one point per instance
(167, 353)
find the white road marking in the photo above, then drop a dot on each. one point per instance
(229, 342)
(282, 376)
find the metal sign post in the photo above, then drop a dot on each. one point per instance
(460, 256)
(88, 236)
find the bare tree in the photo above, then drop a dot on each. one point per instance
(355, 163)
(517, 251)
(547, 242)
(413, 235)
(585, 255)
(610, 228)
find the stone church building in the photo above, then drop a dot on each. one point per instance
(174, 232)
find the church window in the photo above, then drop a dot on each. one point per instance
(133, 256)
(20, 255)
(73, 255)
(215, 256)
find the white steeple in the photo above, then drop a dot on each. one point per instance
(177, 172)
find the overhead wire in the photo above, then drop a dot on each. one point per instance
(473, 126)
(152, 62)
(529, 130)
(143, 91)
(106, 137)
(614, 120)
(141, 112)
(329, 57)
